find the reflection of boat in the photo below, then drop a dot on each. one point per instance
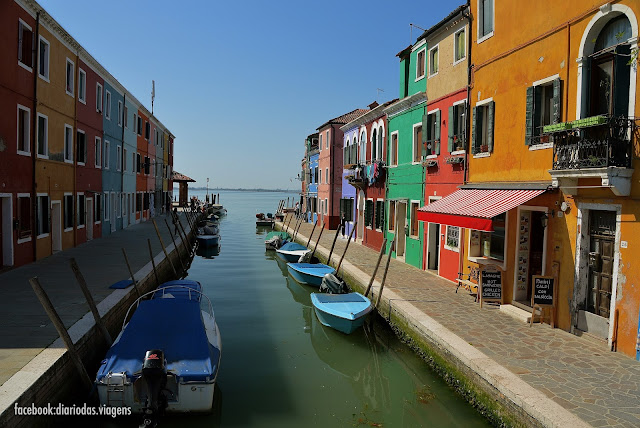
(292, 251)
(309, 273)
(344, 312)
(208, 252)
(299, 292)
(167, 356)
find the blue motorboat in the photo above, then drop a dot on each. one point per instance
(167, 356)
(292, 251)
(309, 273)
(343, 312)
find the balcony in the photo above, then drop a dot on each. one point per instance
(596, 147)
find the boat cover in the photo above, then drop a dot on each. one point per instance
(313, 269)
(176, 327)
(175, 289)
(349, 306)
(292, 246)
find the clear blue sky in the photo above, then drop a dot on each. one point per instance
(242, 83)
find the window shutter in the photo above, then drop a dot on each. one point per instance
(425, 128)
(377, 215)
(474, 134)
(436, 137)
(341, 206)
(382, 214)
(451, 128)
(621, 81)
(557, 101)
(528, 123)
(490, 123)
(537, 110)
(586, 88)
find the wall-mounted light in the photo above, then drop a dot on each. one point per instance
(544, 219)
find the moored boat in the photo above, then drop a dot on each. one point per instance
(343, 312)
(292, 251)
(208, 240)
(167, 356)
(309, 273)
(275, 240)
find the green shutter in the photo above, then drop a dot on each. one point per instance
(528, 123)
(377, 214)
(557, 101)
(621, 81)
(586, 89)
(437, 130)
(367, 211)
(474, 134)
(490, 125)
(451, 127)
(425, 128)
(537, 110)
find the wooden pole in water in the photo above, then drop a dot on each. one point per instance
(298, 225)
(92, 304)
(184, 240)
(347, 246)
(175, 246)
(335, 238)
(318, 241)
(384, 244)
(312, 230)
(153, 263)
(62, 331)
(386, 269)
(288, 224)
(135, 284)
(164, 249)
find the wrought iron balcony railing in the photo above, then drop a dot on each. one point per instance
(602, 143)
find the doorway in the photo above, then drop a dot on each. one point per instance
(360, 230)
(6, 231)
(602, 231)
(114, 210)
(401, 236)
(56, 226)
(433, 247)
(89, 221)
(530, 251)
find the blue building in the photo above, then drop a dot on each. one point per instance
(112, 177)
(312, 177)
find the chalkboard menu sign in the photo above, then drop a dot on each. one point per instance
(491, 285)
(543, 290)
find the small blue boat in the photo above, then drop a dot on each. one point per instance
(308, 273)
(291, 252)
(343, 312)
(208, 240)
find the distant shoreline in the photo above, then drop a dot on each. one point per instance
(241, 190)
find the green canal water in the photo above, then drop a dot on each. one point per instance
(281, 368)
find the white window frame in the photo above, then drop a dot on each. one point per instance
(375, 205)
(99, 97)
(64, 204)
(105, 155)
(120, 110)
(435, 48)
(484, 117)
(78, 205)
(417, 235)
(424, 52)
(382, 136)
(394, 205)
(455, 35)
(135, 124)
(20, 63)
(326, 175)
(413, 144)
(97, 155)
(38, 195)
(85, 147)
(46, 135)
(326, 206)
(73, 77)
(446, 236)
(118, 204)
(18, 196)
(373, 218)
(82, 88)
(47, 67)
(547, 81)
(106, 206)
(69, 127)
(124, 159)
(27, 129)
(392, 153)
(490, 34)
(96, 212)
(125, 116)
(107, 104)
(118, 158)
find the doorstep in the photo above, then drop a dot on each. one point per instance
(520, 312)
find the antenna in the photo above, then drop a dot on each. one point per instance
(379, 90)
(153, 93)
(411, 31)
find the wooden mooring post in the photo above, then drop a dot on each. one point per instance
(133, 279)
(318, 241)
(184, 271)
(335, 238)
(164, 249)
(312, 230)
(153, 263)
(346, 246)
(62, 331)
(386, 269)
(375, 270)
(92, 304)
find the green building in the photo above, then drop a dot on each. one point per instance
(405, 169)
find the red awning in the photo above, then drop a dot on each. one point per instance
(474, 208)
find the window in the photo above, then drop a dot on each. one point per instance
(68, 211)
(417, 142)
(98, 207)
(70, 77)
(433, 61)
(43, 216)
(107, 104)
(81, 147)
(98, 98)
(82, 86)
(24, 126)
(368, 213)
(326, 205)
(105, 156)
(420, 64)
(381, 137)
(126, 117)
(123, 204)
(98, 150)
(392, 216)
(459, 47)
(431, 145)
(68, 143)
(543, 103)
(414, 219)
(106, 206)
(147, 130)
(453, 238)
(43, 136)
(44, 53)
(393, 156)
(133, 162)
(326, 176)
(145, 201)
(138, 163)
(320, 145)
(118, 158)
(119, 113)
(135, 123)
(374, 144)
(482, 127)
(363, 146)
(315, 173)
(25, 45)
(24, 217)
(456, 137)
(492, 243)
(327, 139)
(379, 214)
(139, 202)
(124, 160)
(346, 209)
(147, 165)
(139, 126)
(119, 204)
(153, 167)
(485, 19)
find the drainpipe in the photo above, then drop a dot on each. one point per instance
(122, 158)
(34, 148)
(467, 127)
(75, 162)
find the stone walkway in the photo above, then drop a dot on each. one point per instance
(26, 328)
(600, 387)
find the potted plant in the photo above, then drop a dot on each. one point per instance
(484, 148)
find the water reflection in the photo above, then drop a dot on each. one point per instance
(208, 252)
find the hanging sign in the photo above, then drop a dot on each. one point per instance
(491, 286)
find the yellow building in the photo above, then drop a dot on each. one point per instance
(547, 194)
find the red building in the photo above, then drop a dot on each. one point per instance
(143, 168)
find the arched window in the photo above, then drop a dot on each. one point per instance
(363, 146)
(374, 144)
(380, 141)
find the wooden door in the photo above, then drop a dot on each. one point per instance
(602, 228)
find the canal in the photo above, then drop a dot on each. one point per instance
(280, 367)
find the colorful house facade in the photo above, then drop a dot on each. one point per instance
(313, 153)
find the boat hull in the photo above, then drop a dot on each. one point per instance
(341, 319)
(208, 240)
(291, 257)
(264, 223)
(309, 277)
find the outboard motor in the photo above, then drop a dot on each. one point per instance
(154, 374)
(275, 242)
(331, 284)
